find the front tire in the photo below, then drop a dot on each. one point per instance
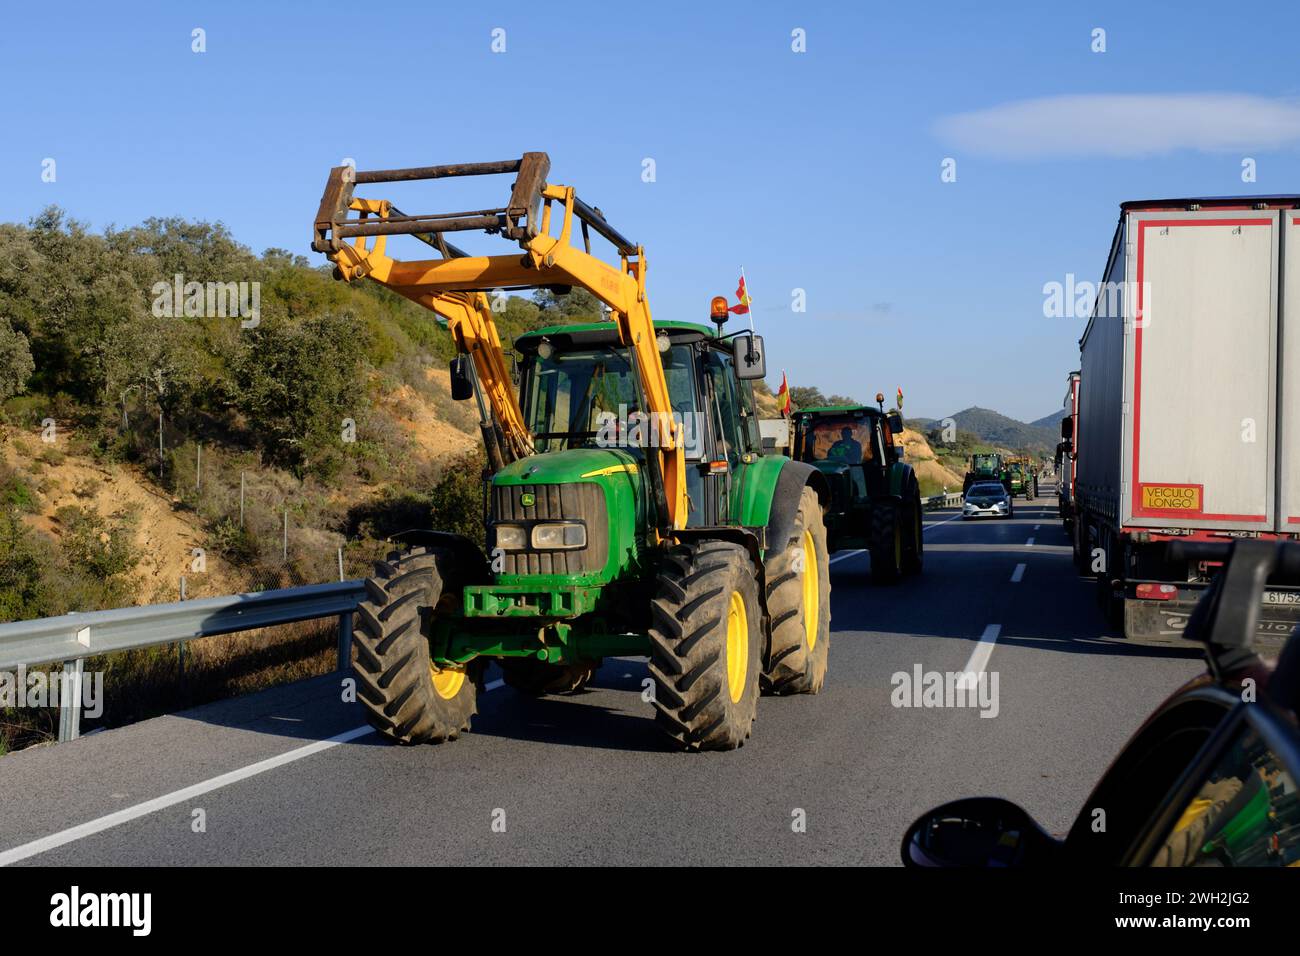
(407, 697)
(706, 642)
(798, 602)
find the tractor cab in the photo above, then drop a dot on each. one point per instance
(851, 445)
(579, 390)
(875, 495)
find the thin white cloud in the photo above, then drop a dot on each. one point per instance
(1124, 125)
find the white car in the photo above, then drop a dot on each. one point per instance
(987, 499)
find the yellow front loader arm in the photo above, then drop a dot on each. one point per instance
(455, 286)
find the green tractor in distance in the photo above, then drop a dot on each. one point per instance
(988, 467)
(1022, 477)
(875, 496)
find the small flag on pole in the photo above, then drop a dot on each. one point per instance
(783, 397)
(743, 295)
(900, 398)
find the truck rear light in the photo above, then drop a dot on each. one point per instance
(1157, 592)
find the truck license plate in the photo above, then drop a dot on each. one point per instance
(1282, 597)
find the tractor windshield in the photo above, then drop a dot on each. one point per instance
(847, 440)
(589, 398)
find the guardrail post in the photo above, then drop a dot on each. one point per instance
(345, 641)
(70, 700)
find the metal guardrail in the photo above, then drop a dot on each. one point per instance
(950, 500)
(72, 638)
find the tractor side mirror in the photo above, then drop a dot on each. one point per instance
(462, 386)
(895, 423)
(750, 358)
(1067, 427)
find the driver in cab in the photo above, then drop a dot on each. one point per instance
(847, 449)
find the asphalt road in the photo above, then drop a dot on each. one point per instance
(587, 780)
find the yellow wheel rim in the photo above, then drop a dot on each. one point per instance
(446, 683)
(811, 599)
(737, 646)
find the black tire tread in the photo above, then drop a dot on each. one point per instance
(392, 659)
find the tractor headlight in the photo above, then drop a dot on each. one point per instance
(559, 536)
(512, 537)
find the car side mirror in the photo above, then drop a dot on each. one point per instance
(1067, 427)
(750, 357)
(979, 832)
(462, 386)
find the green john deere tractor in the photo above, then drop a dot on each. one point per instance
(990, 467)
(1022, 476)
(875, 496)
(630, 508)
(735, 603)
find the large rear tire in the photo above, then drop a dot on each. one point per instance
(407, 698)
(886, 543)
(706, 643)
(798, 602)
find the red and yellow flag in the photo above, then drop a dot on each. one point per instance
(783, 396)
(743, 295)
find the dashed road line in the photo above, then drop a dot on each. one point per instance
(1018, 574)
(979, 658)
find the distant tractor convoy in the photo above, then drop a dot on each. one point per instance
(631, 508)
(985, 468)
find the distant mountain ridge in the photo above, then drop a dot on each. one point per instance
(998, 429)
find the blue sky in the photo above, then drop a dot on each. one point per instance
(817, 170)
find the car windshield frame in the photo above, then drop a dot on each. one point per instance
(989, 491)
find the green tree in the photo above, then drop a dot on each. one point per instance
(457, 499)
(575, 305)
(296, 383)
(806, 396)
(24, 588)
(16, 365)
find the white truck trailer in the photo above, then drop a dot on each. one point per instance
(1189, 404)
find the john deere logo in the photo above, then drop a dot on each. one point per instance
(527, 499)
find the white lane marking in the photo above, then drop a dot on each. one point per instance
(1037, 526)
(494, 684)
(1029, 543)
(979, 657)
(99, 825)
(935, 524)
(1018, 574)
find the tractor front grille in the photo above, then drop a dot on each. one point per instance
(581, 501)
